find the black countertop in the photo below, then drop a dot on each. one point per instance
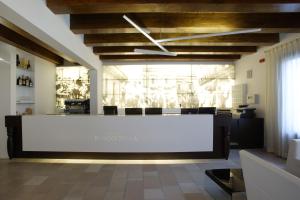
(230, 180)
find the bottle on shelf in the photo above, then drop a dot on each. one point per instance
(22, 60)
(30, 83)
(27, 81)
(18, 80)
(24, 63)
(28, 65)
(18, 60)
(23, 80)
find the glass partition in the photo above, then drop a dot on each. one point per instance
(168, 86)
(71, 83)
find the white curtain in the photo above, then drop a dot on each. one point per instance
(283, 96)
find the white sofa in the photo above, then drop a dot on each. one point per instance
(293, 160)
(265, 181)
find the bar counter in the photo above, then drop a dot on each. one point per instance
(123, 137)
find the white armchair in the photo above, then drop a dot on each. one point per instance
(265, 181)
(293, 160)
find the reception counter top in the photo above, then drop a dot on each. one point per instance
(150, 136)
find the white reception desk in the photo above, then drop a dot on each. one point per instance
(138, 134)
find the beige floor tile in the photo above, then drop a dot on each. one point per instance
(93, 168)
(72, 198)
(134, 190)
(152, 182)
(135, 173)
(77, 191)
(195, 196)
(173, 192)
(151, 173)
(36, 180)
(120, 173)
(95, 193)
(153, 194)
(114, 196)
(50, 181)
(117, 185)
(189, 187)
(149, 168)
(167, 178)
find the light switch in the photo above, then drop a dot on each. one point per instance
(252, 99)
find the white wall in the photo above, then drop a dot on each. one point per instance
(4, 105)
(257, 84)
(45, 90)
(5, 95)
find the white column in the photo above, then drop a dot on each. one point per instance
(7, 91)
(96, 90)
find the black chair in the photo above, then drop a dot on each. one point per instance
(153, 111)
(207, 110)
(133, 111)
(186, 111)
(110, 110)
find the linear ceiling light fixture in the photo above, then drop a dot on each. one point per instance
(141, 30)
(152, 52)
(209, 35)
(165, 52)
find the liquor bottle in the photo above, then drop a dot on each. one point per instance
(30, 83)
(27, 81)
(18, 79)
(23, 63)
(18, 60)
(23, 81)
(28, 65)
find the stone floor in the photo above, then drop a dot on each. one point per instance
(21, 180)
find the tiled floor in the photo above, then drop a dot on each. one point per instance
(54, 181)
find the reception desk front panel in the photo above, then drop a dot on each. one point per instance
(118, 134)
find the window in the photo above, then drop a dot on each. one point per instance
(168, 86)
(290, 97)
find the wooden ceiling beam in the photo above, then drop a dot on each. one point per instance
(136, 39)
(171, 58)
(171, 6)
(194, 30)
(185, 22)
(117, 50)
(15, 39)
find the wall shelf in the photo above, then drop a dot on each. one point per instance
(25, 86)
(25, 94)
(25, 102)
(26, 70)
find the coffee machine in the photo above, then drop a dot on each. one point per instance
(77, 106)
(246, 112)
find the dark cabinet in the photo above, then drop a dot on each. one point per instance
(247, 133)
